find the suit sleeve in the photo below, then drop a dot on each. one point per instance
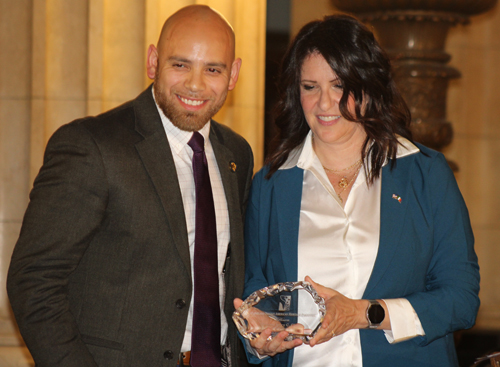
(450, 301)
(67, 205)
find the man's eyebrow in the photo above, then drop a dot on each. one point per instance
(214, 64)
(221, 65)
(179, 59)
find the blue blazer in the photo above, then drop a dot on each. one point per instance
(426, 255)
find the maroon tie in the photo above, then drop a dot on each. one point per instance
(205, 339)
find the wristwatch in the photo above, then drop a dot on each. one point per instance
(375, 314)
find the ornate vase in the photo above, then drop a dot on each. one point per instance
(413, 33)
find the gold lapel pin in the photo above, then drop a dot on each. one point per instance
(232, 166)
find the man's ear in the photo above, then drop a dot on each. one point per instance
(235, 72)
(152, 61)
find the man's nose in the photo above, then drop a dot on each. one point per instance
(195, 81)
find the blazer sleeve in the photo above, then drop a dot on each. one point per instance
(254, 277)
(256, 234)
(450, 301)
(256, 253)
(67, 205)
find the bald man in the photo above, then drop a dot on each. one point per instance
(102, 273)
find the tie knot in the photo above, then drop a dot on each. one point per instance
(197, 142)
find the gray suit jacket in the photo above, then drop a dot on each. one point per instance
(101, 274)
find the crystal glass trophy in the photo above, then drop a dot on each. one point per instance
(291, 306)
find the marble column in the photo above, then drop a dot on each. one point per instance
(474, 108)
(15, 115)
(248, 97)
(59, 70)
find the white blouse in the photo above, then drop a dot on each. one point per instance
(338, 247)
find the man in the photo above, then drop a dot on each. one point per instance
(102, 274)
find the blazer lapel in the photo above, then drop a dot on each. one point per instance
(156, 155)
(393, 208)
(287, 201)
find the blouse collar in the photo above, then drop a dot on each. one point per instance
(303, 156)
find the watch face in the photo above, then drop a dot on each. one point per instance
(376, 313)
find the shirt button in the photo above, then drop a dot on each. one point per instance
(168, 355)
(180, 304)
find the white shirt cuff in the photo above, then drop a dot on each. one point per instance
(405, 323)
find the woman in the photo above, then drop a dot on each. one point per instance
(348, 201)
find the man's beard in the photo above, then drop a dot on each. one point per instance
(185, 120)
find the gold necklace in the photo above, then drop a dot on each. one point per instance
(344, 182)
(343, 169)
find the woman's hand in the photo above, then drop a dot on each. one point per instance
(342, 313)
(266, 345)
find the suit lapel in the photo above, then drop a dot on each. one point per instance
(157, 158)
(224, 157)
(287, 202)
(395, 184)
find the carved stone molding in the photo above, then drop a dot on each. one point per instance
(470, 7)
(413, 33)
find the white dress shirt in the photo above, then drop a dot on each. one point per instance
(338, 247)
(183, 156)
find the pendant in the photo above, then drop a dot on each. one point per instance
(343, 182)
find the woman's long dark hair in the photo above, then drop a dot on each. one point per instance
(352, 52)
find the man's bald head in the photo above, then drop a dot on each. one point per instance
(193, 66)
(201, 16)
